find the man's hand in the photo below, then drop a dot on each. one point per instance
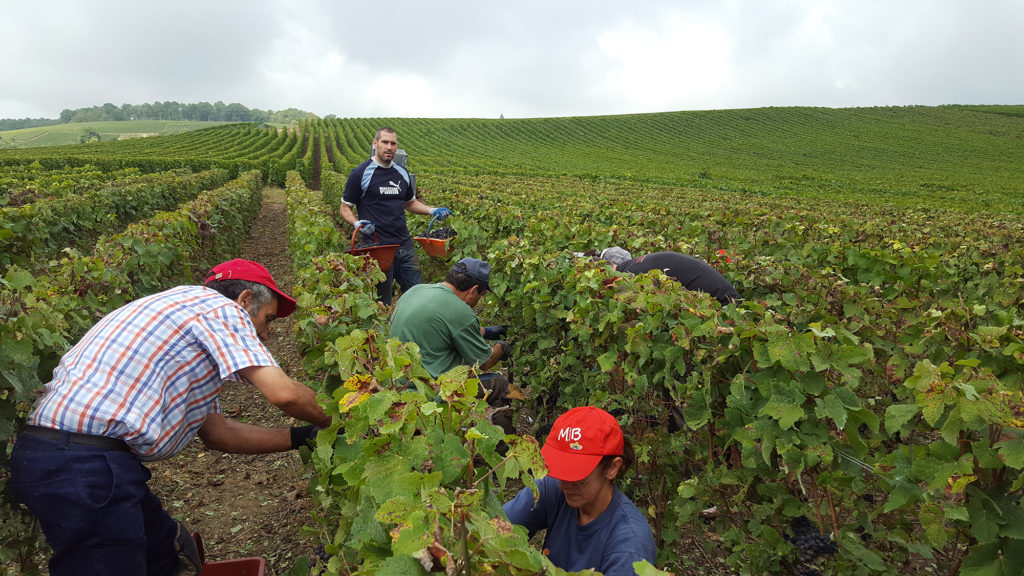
(441, 213)
(365, 226)
(506, 350)
(494, 332)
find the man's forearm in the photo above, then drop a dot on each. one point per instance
(418, 207)
(239, 438)
(293, 397)
(496, 354)
(305, 407)
(346, 213)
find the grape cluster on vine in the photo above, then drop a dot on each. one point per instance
(811, 545)
(322, 554)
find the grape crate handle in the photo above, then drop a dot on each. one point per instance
(355, 233)
(431, 225)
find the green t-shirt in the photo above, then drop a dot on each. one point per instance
(445, 328)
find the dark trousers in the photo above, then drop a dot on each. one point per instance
(405, 269)
(94, 507)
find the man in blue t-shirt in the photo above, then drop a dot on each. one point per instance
(381, 191)
(590, 523)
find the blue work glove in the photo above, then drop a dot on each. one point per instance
(365, 226)
(441, 213)
(494, 332)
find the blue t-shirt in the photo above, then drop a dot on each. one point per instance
(609, 544)
(379, 195)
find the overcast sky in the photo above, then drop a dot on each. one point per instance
(522, 58)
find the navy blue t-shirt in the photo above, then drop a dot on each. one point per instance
(692, 273)
(610, 543)
(379, 195)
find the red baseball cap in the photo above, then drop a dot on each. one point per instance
(578, 440)
(239, 269)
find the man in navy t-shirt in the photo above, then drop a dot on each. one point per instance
(381, 191)
(590, 523)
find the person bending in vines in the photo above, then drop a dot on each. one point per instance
(138, 387)
(439, 318)
(381, 191)
(590, 523)
(694, 274)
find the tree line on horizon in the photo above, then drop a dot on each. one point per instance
(169, 110)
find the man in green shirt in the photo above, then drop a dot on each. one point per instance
(439, 318)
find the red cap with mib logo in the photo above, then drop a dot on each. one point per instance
(578, 440)
(239, 269)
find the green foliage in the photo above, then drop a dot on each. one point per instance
(33, 233)
(792, 399)
(407, 474)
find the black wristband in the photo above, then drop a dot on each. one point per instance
(302, 434)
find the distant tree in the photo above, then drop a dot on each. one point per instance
(169, 110)
(93, 114)
(237, 113)
(290, 116)
(111, 112)
(89, 135)
(15, 124)
(201, 111)
(257, 115)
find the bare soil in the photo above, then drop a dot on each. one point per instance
(248, 505)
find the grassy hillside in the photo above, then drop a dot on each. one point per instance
(967, 157)
(63, 134)
(938, 154)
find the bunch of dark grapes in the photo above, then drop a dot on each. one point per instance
(443, 233)
(366, 243)
(322, 554)
(811, 544)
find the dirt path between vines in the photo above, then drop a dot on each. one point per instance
(248, 505)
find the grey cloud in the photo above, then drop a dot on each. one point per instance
(529, 58)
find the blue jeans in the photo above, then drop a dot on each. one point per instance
(405, 268)
(94, 507)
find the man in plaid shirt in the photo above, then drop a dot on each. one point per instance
(138, 387)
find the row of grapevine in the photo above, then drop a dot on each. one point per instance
(24, 184)
(32, 233)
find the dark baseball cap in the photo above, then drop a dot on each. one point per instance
(477, 270)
